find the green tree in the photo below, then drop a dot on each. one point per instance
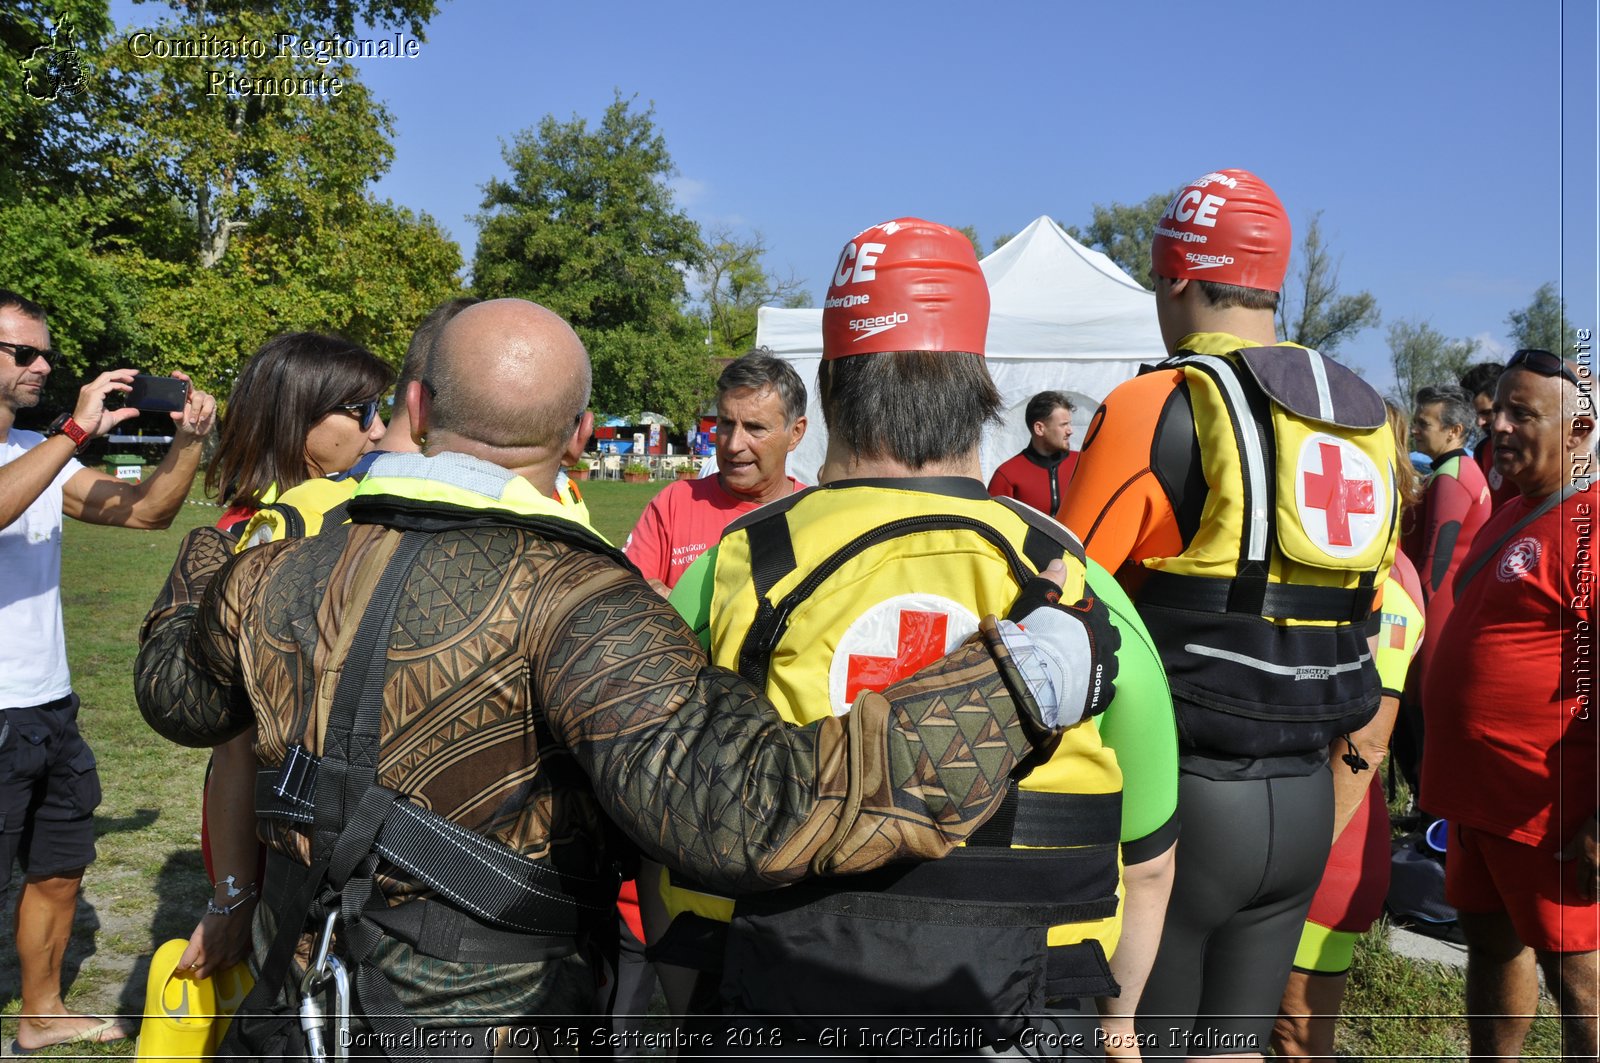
(48, 48)
(735, 285)
(213, 218)
(587, 226)
(1124, 231)
(272, 164)
(1542, 323)
(1311, 311)
(1421, 355)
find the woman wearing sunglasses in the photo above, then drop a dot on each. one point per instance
(304, 405)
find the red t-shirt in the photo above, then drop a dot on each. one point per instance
(1508, 698)
(682, 522)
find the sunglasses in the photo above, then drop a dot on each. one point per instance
(1542, 362)
(364, 412)
(24, 354)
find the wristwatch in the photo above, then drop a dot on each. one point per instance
(66, 426)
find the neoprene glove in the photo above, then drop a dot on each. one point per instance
(1075, 646)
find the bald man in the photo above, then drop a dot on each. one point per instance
(530, 690)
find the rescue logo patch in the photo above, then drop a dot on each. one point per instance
(894, 640)
(1341, 498)
(1519, 559)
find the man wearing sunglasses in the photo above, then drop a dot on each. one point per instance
(48, 784)
(1509, 750)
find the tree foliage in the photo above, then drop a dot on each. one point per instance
(1124, 231)
(735, 284)
(1311, 312)
(587, 226)
(1542, 323)
(173, 224)
(44, 142)
(1422, 355)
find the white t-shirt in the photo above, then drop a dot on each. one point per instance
(33, 649)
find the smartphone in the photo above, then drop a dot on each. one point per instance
(158, 394)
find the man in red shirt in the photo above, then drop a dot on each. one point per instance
(1510, 751)
(761, 418)
(1039, 475)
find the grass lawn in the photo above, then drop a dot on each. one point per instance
(148, 884)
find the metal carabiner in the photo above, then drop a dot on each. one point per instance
(313, 1019)
(341, 1008)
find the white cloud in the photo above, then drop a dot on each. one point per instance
(688, 190)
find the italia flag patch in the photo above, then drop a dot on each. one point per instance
(1340, 496)
(894, 640)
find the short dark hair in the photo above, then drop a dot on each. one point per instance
(1042, 405)
(1455, 405)
(1481, 378)
(10, 300)
(1226, 296)
(415, 365)
(865, 399)
(287, 386)
(759, 369)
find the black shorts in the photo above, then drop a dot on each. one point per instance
(49, 789)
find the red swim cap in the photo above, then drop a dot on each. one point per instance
(1227, 227)
(906, 285)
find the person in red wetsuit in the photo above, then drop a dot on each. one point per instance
(1479, 381)
(1455, 499)
(761, 418)
(1510, 754)
(1039, 475)
(1435, 536)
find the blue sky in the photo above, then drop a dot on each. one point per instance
(1450, 147)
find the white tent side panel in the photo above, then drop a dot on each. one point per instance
(1064, 318)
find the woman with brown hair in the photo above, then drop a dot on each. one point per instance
(304, 405)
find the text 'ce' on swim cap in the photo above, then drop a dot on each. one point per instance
(1227, 227)
(906, 285)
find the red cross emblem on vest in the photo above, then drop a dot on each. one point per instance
(921, 642)
(1336, 496)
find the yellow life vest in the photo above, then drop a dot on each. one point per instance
(302, 509)
(855, 586)
(1263, 619)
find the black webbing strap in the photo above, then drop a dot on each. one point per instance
(996, 830)
(771, 559)
(489, 881)
(1285, 601)
(347, 789)
(1483, 557)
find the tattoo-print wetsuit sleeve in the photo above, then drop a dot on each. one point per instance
(701, 771)
(186, 672)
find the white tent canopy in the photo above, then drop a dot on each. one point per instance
(1062, 317)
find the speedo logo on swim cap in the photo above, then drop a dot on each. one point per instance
(1207, 261)
(837, 302)
(871, 326)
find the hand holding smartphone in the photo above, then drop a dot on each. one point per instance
(158, 394)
